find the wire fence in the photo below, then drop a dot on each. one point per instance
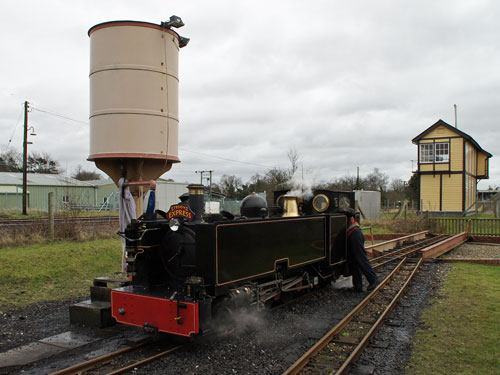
(478, 226)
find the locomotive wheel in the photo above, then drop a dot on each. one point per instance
(223, 318)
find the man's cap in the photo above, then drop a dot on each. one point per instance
(348, 211)
(184, 196)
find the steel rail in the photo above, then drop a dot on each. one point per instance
(426, 242)
(87, 365)
(442, 247)
(364, 342)
(397, 242)
(323, 342)
(77, 369)
(44, 221)
(409, 250)
(145, 360)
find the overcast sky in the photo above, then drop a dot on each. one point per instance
(345, 83)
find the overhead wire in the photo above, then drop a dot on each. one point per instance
(59, 115)
(17, 123)
(184, 150)
(226, 159)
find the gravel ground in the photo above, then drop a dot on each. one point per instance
(262, 343)
(475, 250)
(20, 327)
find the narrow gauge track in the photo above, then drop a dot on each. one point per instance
(120, 361)
(101, 365)
(406, 251)
(12, 223)
(342, 345)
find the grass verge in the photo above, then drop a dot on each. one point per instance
(53, 271)
(462, 325)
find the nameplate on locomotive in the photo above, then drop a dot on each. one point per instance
(180, 210)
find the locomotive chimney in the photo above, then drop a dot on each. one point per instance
(196, 202)
(290, 206)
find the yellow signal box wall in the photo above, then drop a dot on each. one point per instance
(450, 163)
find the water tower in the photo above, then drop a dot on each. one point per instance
(134, 115)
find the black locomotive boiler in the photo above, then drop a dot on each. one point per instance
(186, 266)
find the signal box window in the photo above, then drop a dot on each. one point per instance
(427, 153)
(442, 152)
(434, 153)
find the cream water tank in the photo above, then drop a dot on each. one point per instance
(134, 115)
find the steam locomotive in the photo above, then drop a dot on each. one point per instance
(187, 267)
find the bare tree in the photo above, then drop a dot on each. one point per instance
(11, 161)
(42, 163)
(376, 181)
(84, 175)
(398, 185)
(293, 156)
(230, 186)
(343, 183)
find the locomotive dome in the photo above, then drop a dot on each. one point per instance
(253, 205)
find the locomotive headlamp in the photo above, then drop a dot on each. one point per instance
(174, 224)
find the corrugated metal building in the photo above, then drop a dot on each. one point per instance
(369, 203)
(67, 191)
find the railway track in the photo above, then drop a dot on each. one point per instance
(342, 345)
(407, 251)
(121, 360)
(335, 353)
(18, 223)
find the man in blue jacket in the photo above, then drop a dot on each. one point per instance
(356, 253)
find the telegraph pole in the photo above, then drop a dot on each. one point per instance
(202, 173)
(25, 158)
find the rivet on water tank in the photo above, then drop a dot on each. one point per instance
(162, 89)
(161, 64)
(162, 109)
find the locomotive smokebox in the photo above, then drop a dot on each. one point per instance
(134, 115)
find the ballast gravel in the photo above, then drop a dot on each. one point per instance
(475, 250)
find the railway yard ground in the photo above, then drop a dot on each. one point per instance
(446, 322)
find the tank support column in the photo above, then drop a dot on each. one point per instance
(137, 189)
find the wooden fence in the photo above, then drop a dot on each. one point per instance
(478, 226)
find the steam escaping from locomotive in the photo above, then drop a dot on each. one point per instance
(303, 182)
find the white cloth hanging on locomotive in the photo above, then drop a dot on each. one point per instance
(126, 206)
